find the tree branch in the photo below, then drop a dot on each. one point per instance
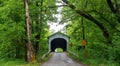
(114, 8)
(102, 16)
(91, 18)
(111, 5)
(56, 6)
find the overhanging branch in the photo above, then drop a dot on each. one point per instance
(91, 18)
(56, 6)
(111, 6)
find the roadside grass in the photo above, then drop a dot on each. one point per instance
(16, 62)
(22, 62)
(43, 56)
(99, 62)
(93, 62)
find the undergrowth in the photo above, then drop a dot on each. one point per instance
(16, 62)
(87, 61)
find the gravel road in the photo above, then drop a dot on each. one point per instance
(61, 59)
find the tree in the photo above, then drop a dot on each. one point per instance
(92, 19)
(99, 16)
(30, 57)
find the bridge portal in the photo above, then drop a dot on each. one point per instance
(58, 40)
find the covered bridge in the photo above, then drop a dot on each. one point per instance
(58, 40)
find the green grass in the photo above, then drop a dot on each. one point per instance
(100, 62)
(94, 62)
(16, 62)
(43, 56)
(21, 62)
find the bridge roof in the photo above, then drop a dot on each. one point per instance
(58, 33)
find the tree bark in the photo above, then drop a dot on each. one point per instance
(29, 50)
(91, 18)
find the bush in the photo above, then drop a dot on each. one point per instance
(58, 50)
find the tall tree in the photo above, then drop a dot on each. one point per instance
(29, 49)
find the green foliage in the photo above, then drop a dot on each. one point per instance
(99, 53)
(58, 50)
(12, 26)
(13, 30)
(10, 42)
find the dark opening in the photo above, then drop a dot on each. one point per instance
(58, 43)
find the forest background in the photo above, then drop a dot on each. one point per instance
(24, 29)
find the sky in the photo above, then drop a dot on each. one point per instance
(55, 27)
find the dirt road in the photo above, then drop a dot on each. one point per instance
(60, 59)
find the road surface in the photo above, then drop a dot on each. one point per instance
(60, 59)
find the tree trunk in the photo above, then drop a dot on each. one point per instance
(29, 50)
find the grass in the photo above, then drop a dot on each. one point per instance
(16, 62)
(100, 62)
(21, 62)
(43, 56)
(93, 62)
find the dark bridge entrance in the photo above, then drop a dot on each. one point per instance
(58, 43)
(58, 40)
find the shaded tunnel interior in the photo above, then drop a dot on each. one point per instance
(58, 43)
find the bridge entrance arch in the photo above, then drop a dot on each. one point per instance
(58, 40)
